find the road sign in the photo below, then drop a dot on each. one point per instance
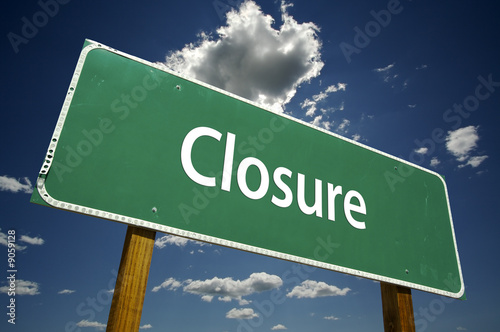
(139, 144)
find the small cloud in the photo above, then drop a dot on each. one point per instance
(460, 328)
(163, 241)
(356, 137)
(311, 105)
(23, 287)
(461, 142)
(169, 284)
(331, 318)
(384, 69)
(14, 185)
(66, 291)
(145, 327)
(412, 106)
(244, 313)
(313, 289)
(32, 240)
(422, 150)
(435, 161)
(85, 323)
(278, 327)
(422, 67)
(474, 161)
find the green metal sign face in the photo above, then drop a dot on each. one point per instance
(138, 144)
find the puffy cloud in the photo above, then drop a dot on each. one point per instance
(15, 185)
(145, 327)
(331, 318)
(66, 291)
(252, 59)
(228, 288)
(422, 150)
(225, 289)
(85, 323)
(461, 142)
(23, 287)
(244, 313)
(435, 161)
(313, 289)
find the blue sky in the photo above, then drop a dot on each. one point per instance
(392, 82)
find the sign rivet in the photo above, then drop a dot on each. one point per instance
(154, 209)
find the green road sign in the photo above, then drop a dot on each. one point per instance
(138, 144)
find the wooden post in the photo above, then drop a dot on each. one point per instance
(397, 307)
(130, 288)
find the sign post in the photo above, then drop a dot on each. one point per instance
(397, 308)
(130, 288)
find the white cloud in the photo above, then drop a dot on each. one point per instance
(343, 126)
(23, 287)
(252, 59)
(32, 240)
(331, 318)
(314, 289)
(461, 328)
(422, 67)
(278, 327)
(474, 161)
(311, 105)
(85, 323)
(244, 313)
(4, 241)
(461, 142)
(66, 291)
(384, 69)
(163, 241)
(356, 137)
(435, 161)
(226, 289)
(15, 185)
(169, 284)
(145, 327)
(422, 150)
